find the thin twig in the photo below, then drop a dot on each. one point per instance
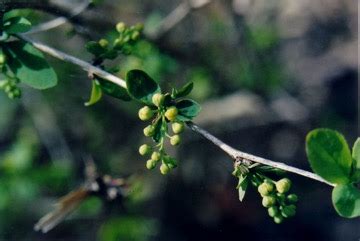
(232, 152)
(76, 61)
(54, 23)
(236, 154)
(176, 16)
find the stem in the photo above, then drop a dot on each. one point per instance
(232, 152)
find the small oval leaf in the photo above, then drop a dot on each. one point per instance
(141, 86)
(29, 65)
(188, 109)
(346, 200)
(329, 155)
(184, 91)
(17, 25)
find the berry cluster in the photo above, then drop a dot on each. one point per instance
(162, 113)
(126, 39)
(274, 196)
(9, 85)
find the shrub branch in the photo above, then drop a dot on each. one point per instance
(232, 152)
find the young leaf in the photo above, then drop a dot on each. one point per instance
(242, 186)
(96, 93)
(29, 65)
(95, 48)
(17, 25)
(188, 109)
(346, 200)
(329, 155)
(141, 86)
(356, 161)
(184, 91)
(158, 130)
(113, 90)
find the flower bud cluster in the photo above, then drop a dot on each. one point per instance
(274, 198)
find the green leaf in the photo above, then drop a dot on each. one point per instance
(242, 186)
(17, 25)
(158, 130)
(356, 161)
(346, 200)
(96, 93)
(188, 109)
(329, 155)
(113, 90)
(29, 65)
(95, 48)
(184, 91)
(141, 86)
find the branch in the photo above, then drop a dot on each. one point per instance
(175, 17)
(60, 20)
(232, 152)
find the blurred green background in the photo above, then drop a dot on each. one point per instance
(265, 72)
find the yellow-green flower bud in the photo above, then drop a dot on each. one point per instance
(150, 164)
(104, 43)
(135, 35)
(283, 185)
(268, 201)
(149, 130)
(158, 99)
(273, 211)
(293, 198)
(146, 113)
(120, 27)
(175, 140)
(144, 149)
(278, 219)
(155, 156)
(171, 113)
(265, 188)
(177, 127)
(164, 169)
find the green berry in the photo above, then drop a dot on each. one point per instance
(155, 156)
(265, 188)
(288, 211)
(268, 201)
(120, 27)
(273, 211)
(175, 140)
(158, 99)
(178, 127)
(145, 113)
(278, 219)
(149, 130)
(104, 43)
(135, 35)
(144, 149)
(283, 185)
(164, 169)
(171, 113)
(293, 198)
(150, 164)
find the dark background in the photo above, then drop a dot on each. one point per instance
(265, 73)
